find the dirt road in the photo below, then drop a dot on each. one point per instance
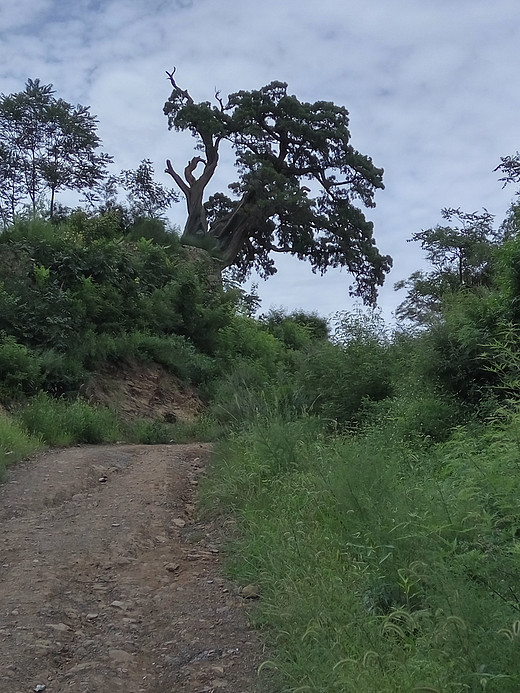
(107, 583)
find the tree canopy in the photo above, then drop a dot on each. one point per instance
(46, 145)
(299, 184)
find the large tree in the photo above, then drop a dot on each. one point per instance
(46, 145)
(299, 184)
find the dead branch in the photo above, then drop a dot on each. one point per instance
(219, 99)
(184, 92)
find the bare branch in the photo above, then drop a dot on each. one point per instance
(184, 92)
(217, 98)
(280, 249)
(171, 171)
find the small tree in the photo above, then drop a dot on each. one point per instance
(147, 197)
(46, 145)
(12, 188)
(460, 254)
(299, 183)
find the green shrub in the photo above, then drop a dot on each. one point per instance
(151, 432)
(337, 379)
(249, 393)
(174, 352)
(85, 228)
(297, 329)
(154, 230)
(89, 281)
(20, 369)
(245, 339)
(335, 382)
(62, 374)
(159, 432)
(422, 414)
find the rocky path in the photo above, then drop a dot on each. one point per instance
(107, 583)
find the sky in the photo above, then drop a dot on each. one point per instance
(431, 87)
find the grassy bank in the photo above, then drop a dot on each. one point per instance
(382, 566)
(47, 422)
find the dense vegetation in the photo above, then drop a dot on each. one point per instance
(373, 473)
(377, 495)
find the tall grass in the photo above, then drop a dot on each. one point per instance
(15, 442)
(381, 566)
(154, 432)
(61, 422)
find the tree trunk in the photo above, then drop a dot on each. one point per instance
(193, 188)
(196, 223)
(231, 232)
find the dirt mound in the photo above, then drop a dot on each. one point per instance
(144, 391)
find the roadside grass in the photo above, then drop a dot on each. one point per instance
(59, 422)
(156, 432)
(15, 442)
(382, 565)
(44, 420)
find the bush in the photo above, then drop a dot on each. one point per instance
(297, 329)
(62, 374)
(336, 382)
(20, 369)
(154, 230)
(159, 432)
(90, 283)
(246, 394)
(245, 339)
(174, 352)
(456, 349)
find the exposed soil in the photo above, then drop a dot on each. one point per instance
(108, 582)
(142, 391)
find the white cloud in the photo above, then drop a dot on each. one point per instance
(17, 14)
